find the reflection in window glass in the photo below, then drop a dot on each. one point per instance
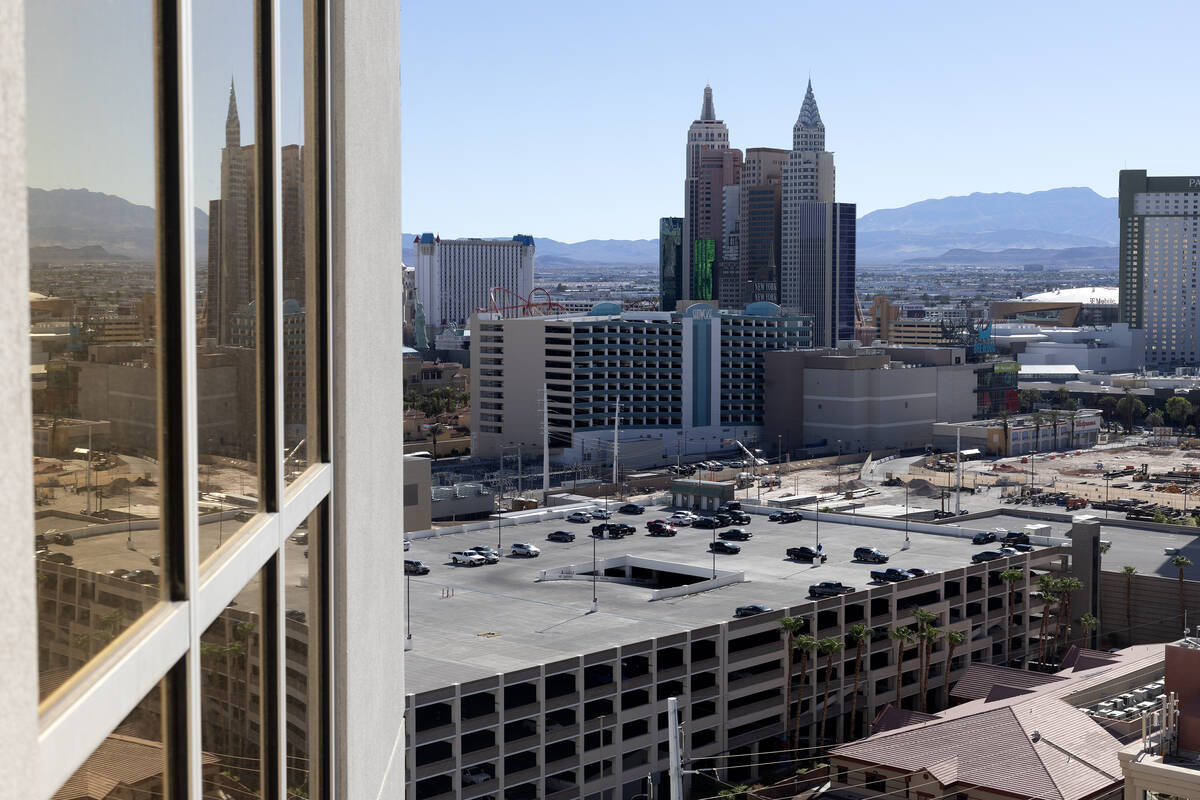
(93, 330)
(226, 199)
(231, 694)
(298, 623)
(296, 263)
(129, 763)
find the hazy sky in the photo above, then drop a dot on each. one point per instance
(569, 120)
(90, 92)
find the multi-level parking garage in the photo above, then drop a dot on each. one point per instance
(520, 689)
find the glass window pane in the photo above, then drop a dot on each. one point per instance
(297, 258)
(298, 618)
(93, 329)
(226, 198)
(130, 763)
(230, 695)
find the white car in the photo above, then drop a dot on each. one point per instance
(600, 513)
(682, 518)
(579, 516)
(468, 557)
(524, 549)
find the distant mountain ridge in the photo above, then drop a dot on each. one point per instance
(590, 252)
(1065, 257)
(78, 219)
(1055, 219)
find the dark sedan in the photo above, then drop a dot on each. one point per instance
(722, 546)
(751, 610)
(561, 536)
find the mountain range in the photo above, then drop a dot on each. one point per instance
(1055, 219)
(1075, 223)
(66, 224)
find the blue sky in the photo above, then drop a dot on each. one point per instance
(568, 120)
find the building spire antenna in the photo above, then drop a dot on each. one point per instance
(707, 112)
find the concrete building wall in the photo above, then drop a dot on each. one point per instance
(418, 488)
(513, 356)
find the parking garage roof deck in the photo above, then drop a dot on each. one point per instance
(469, 623)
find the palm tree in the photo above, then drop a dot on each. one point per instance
(924, 620)
(1104, 548)
(928, 635)
(953, 640)
(1090, 623)
(1067, 588)
(860, 634)
(1054, 420)
(1038, 419)
(1004, 416)
(1072, 416)
(1129, 573)
(791, 627)
(435, 431)
(807, 645)
(1045, 588)
(1011, 576)
(829, 647)
(901, 636)
(1181, 561)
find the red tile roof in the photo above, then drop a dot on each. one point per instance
(989, 742)
(118, 761)
(979, 679)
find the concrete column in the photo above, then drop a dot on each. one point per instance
(368, 421)
(1085, 566)
(18, 623)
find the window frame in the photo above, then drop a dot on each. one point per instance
(162, 648)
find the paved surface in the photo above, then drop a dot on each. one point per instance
(499, 617)
(1136, 547)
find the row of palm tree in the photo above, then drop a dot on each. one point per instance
(1056, 597)
(1054, 416)
(1180, 562)
(925, 635)
(810, 647)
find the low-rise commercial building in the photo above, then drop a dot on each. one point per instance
(1019, 734)
(1111, 348)
(875, 398)
(1041, 432)
(1167, 762)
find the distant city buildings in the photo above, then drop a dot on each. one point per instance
(765, 228)
(670, 262)
(456, 276)
(705, 134)
(1159, 257)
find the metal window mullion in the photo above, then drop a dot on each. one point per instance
(176, 313)
(269, 310)
(319, 352)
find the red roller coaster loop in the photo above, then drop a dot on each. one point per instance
(525, 306)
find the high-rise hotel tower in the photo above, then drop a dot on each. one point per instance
(1160, 248)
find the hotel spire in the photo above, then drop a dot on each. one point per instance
(707, 112)
(233, 128)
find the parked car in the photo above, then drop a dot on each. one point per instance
(890, 575)
(872, 555)
(146, 577)
(723, 519)
(660, 527)
(525, 549)
(708, 523)
(468, 558)
(774, 516)
(475, 775)
(490, 555)
(740, 517)
(579, 516)
(415, 567)
(986, 555)
(632, 508)
(732, 505)
(301, 537)
(1016, 537)
(1009, 551)
(790, 516)
(613, 530)
(722, 546)
(601, 513)
(407, 543)
(683, 521)
(1023, 548)
(561, 536)
(829, 589)
(751, 610)
(917, 572)
(737, 535)
(57, 558)
(295, 614)
(986, 537)
(805, 553)
(117, 573)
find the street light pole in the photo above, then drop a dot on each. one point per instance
(595, 603)
(838, 465)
